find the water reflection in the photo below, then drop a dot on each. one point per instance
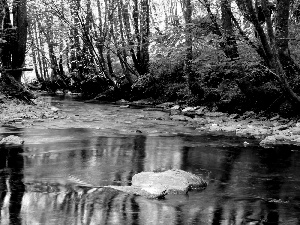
(246, 185)
(11, 183)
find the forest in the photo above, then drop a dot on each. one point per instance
(229, 55)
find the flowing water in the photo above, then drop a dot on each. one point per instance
(98, 144)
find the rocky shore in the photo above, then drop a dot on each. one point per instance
(269, 131)
(15, 112)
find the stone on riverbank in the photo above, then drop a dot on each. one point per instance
(12, 140)
(174, 181)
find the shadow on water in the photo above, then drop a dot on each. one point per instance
(11, 182)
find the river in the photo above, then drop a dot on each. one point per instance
(104, 144)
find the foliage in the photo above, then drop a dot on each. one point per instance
(192, 52)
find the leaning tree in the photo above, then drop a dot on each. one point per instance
(272, 32)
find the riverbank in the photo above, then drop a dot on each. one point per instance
(14, 112)
(269, 131)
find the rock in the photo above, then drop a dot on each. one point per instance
(174, 181)
(282, 127)
(229, 128)
(147, 192)
(277, 139)
(190, 114)
(214, 114)
(245, 143)
(234, 116)
(189, 109)
(275, 118)
(180, 118)
(295, 130)
(12, 140)
(270, 140)
(175, 107)
(201, 111)
(124, 106)
(54, 109)
(252, 131)
(200, 121)
(248, 114)
(214, 127)
(165, 105)
(122, 101)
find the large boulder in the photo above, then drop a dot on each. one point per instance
(156, 184)
(173, 181)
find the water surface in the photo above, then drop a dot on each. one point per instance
(40, 182)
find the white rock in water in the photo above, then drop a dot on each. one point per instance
(175, 107)
(12, 140)
(54, 109)
(174, 181)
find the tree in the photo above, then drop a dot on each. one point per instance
(275, 44)
(229, 44)
(187, 12)
(13, 53)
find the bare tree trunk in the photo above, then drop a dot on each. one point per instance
(145, 32)
(230, 46)
(101, 37)
(136, 15)
(6, 48)
(123, 53)
(19, 47)
(33, 52)
(126, 19)
(187, 10)
(75, 51)
(282, 38)
(39, 55)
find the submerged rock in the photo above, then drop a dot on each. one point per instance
(173, 181)
(147, 192)
(12, 140)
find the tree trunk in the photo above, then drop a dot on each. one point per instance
(75, 51)
(136, 15)
(123, 53)
(145, 31)
(33, 52)
(249, 12)
(187, 12)
(230, 46)
(126, 19)
(19, 47)
(6, 48)
(39, 49)
(276, 63)
(282, 38)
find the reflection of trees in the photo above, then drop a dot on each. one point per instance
(243, 181)
(247, 185)
(11, 167)
(3, 176)
(226, 167)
